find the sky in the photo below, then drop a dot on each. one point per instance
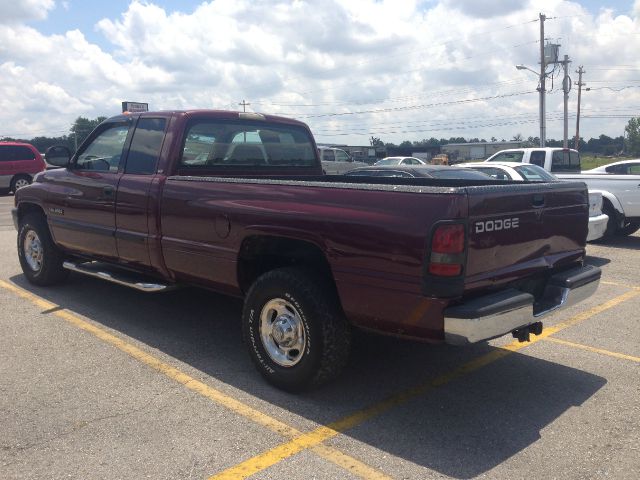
(351, 69)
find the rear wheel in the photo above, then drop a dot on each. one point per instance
(19, 182)
(40, 259)
(297, 335)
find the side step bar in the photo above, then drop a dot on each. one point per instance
(106, 272)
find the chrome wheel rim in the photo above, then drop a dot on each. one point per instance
(21, 182)
(32, 248)
(282, 332)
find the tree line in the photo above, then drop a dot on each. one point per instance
(628, 144)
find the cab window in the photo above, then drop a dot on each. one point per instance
(105, 150)
(145, 146)
(508, 157)
(328, 156)
(223, 144)
(537, 158)
(342, 156)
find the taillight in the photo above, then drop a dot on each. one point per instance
(447, 250)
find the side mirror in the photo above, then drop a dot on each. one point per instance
(58, 155)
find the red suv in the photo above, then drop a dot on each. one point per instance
(19, 162)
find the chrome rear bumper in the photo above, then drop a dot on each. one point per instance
(503, 312)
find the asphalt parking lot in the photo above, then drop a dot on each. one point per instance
(99, 381)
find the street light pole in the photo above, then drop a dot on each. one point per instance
(543, 67)
(566, 86)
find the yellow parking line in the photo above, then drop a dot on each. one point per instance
(353, 465)
(315, 437)
(618, 284)
(594, 349)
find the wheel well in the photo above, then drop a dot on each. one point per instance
(27, 208)
(260, 254)
(606, 204)
(21, 175)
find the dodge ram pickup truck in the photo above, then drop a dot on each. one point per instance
(237, 203)
(620, 193)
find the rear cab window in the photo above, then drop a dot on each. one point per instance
(565, 161)
(515, 156)
(220, 145)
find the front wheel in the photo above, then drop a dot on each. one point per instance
(629, 228)
(297, 335)
(40, 259)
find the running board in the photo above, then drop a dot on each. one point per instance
(106, 272)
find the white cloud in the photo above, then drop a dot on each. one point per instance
(12, 11)
(416, 69)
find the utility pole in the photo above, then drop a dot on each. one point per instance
(244, 105)
(566, 86)
(580, 71)
(543, 68)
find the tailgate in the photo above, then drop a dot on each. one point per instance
(518, 230)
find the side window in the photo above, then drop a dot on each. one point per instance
(4, 153)
(558, 160)
(634, 169)
(328, 156)
(104, 152)
(618, 169)
(236, 144)
(198, 145)
(508, 157)
(11, 153)
(537, 158)
(565, 161)
(574, 161)
(341, 156)
(145, 146)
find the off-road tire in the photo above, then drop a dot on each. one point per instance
(50, 271)
(327, 333)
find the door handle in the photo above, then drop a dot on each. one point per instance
(107, 191)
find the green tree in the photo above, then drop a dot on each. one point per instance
(632, 142)
(82, 127)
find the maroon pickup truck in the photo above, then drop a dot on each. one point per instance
(237, 203)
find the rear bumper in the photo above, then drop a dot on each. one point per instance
(501, 313)
(597, 227)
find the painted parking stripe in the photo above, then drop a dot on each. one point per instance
(331, 454)
(594, 349)
(315, 437)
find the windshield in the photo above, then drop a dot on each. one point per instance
(387, 161)
(460, 173)
(533, 173)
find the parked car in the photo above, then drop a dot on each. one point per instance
(533, 173)
(400, 161)
(621, 195)
(624, 167)
(428, 171)
(336, 161)
(19, 162)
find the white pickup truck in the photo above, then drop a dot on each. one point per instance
(620, 193)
